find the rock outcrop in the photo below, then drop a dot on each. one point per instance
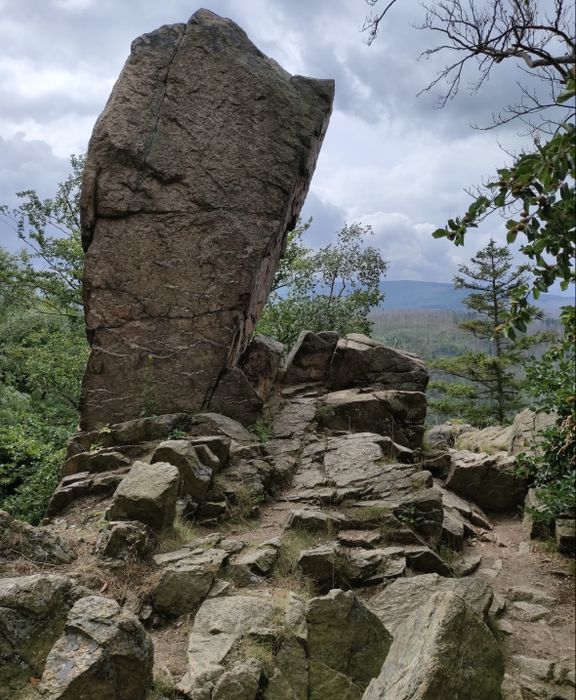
(104, 652)
(196, 170)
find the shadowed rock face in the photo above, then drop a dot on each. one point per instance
(196, 169)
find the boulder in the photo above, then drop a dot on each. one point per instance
(524, 434)
(488, 480)
(218, 445)
(209, 424)
(195, 476)
(241, 682)
(566, 535)
(362, 361)
(493, 439)
(37, 544)
(125, 541)
(444, 436)
(533, 506)
(104, 652)
(310, 357)
(407, 595)
(235, 396)
(148, 494)
(443, 650)
(181, 587)
(219, 624)
(33, 610)
(170, 179)
(398, 415)
(314, 521)
(103, 460)
(347, 644)
(83, 484)
(261, 364)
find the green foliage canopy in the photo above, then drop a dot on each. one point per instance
(333, 288)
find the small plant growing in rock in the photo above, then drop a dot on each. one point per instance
(262, 430)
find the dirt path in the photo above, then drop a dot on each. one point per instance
(511, 561)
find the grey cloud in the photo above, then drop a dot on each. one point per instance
(26, 165)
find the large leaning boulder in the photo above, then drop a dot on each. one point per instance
(196, 170)
(443, 650)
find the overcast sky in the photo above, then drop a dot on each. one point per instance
(389, 159)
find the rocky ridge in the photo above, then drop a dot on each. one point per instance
(293, 560)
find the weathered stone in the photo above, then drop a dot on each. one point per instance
(148, 494)
(525, 429)
(426, 560)
(37, 544)
(362, 361)
(437, 462)
(486, 479)
(472, 514)
(314, 521)
(104, 652)
(294, 418)
(181, 588)
(530, 595)
(218, 625)
(527, 612)
(404, 596)
(32, 614)
(261, 364)
(489, 440)
(466, 565)
(172, 179)
(258, 560)
(218, 445)
(195, 477)
(444, 436)
(125, 540)
(344, 639)
(443, 650)
(398, 415)
(234, 396)
(535, 526)
(360, 538)
(309, 358)
(566, 535)
(453, 529)
(208, 424)
(241, 682)
(106, 459)
(76, 486)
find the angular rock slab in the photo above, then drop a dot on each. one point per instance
(32, 614)
(444, 650)
(488, 480)
(104, 653)
(407, 595)
(361, 361)
(347, 645)
(147, 494)
(196, 170)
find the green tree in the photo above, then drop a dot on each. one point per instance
(552, 466)
(333, 288)
(43, 347)
(491, 388)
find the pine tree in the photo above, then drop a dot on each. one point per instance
(491, 388)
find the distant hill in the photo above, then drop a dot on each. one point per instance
(441, 296)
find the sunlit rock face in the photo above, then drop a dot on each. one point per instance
(196, 169)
